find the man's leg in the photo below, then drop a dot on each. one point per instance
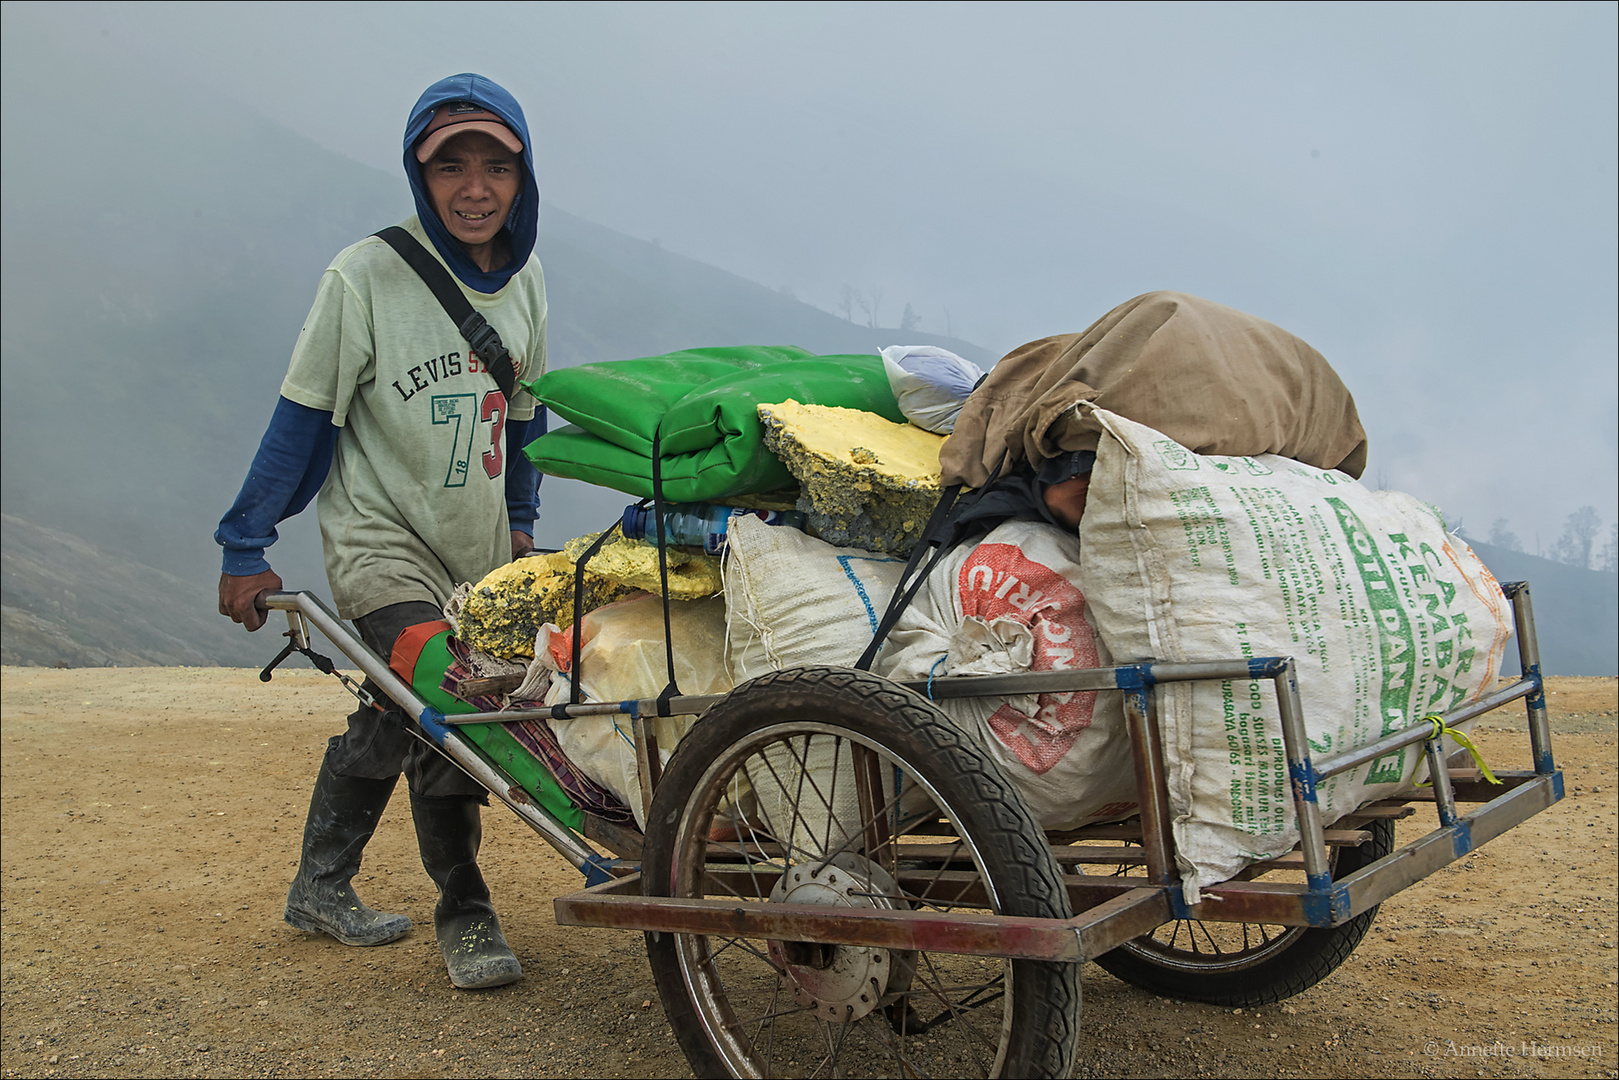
(446, 805)
(356, 778)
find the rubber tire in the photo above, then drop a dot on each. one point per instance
(1041, 1033)
(1292, 967)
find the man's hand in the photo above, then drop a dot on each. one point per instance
(522, 544)
(238, 597)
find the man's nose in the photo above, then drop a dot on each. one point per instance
(476, 186)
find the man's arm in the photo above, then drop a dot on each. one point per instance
(293, 459)
(523, 480)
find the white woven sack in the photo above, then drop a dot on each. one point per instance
(792, 600)
(1010, 604)
(1389, 618)
(795, 601)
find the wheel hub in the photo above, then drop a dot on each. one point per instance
(840, 983)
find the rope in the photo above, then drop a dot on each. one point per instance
(1462, 740)
(931, 670)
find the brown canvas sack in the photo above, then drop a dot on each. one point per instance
(1212, 378)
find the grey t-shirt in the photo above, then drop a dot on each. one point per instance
(415, 501)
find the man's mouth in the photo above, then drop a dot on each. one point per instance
(464, 216)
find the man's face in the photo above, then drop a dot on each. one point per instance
(472, 182)
(1066, 500)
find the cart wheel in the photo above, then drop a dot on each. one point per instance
(1246, 964)
(831, 786)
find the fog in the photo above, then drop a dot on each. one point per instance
(1427, 194)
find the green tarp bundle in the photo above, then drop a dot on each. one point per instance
(423, 654)
(712, 444)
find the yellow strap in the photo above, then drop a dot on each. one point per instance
(1440, 730)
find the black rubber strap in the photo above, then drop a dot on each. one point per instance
(482, 337)
(579, 609)
(671, 690)
(906, 588)
(932, 547)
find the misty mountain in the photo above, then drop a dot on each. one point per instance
(162, 246)
(1576, 611)
(67, 603)
(613, 297)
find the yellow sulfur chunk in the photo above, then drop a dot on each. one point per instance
(505, 610)
(867, 482)
(634, 563)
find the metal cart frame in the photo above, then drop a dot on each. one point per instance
(1109, 910)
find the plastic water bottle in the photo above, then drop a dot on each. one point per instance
(698, 524)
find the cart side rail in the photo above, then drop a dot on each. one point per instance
(1318, 902)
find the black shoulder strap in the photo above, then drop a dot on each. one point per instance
(479, 334)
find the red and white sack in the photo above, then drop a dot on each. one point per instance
(1011, 604)
(1390, 618)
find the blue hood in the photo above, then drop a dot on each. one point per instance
(523, 222)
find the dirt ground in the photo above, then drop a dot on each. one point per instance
(151, 823)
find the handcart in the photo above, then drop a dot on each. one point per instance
(835, 880)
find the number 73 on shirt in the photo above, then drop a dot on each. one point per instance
(465, 416)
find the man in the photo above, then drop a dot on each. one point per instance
(416, 455)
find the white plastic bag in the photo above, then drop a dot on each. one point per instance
(622, 658)
(1011, 604)
(930, 384)
(1390, 619)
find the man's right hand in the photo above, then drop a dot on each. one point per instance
(238, 597)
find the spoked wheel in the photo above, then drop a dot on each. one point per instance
(1245, 964)
(832, 787)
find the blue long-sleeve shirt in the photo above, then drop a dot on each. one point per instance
(291, 465)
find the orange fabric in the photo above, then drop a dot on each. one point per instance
(408, 647)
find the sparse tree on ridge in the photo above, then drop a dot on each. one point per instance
(846, 305)
(873, 310)
(1579, 533)
(1503, 537)
(909, 320)
(1609, 559)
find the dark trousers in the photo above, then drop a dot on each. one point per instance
(376, 746)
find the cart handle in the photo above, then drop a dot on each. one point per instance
(430, 725)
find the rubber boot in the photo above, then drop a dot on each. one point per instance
(475, 953)
(343, 814)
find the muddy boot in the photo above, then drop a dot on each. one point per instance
(449, 831)
(343, 814)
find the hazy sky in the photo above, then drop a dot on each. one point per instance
(1425, 193)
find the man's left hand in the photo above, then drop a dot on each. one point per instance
(522, 543)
